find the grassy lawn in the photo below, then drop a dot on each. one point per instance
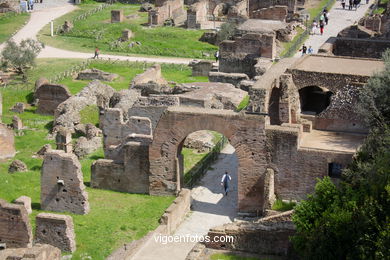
(97, 30)
(10, 23)
(233, 257)
(280, 205)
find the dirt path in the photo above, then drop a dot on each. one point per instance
(339, 19)
(209, 209)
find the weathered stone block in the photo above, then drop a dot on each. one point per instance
(15, 229)
(17, 166)
(17, 123)
(37, 252)
(116, 16)
(49, 96)
(7, 145)
(18, 108)
(64, 140)
(62, 187)
(56, 230)
(26, 202)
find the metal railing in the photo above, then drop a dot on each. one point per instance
(302, 38)
(201, 167)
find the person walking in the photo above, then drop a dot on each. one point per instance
(314, 27)
(225, 182)
(303, 49)
(322, 25)
(326, 16)
(96, 53)
(310, 50)
(350, 5)
(31, 4)
(216, 55)
(343, 4)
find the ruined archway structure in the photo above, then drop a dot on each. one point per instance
(246, 133)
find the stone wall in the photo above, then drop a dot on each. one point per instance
(62, 187)
(201, 67)
(277, 12)
(265, 237)
(167, 9)
(37, 252)
(7, 143)
(152, 74)
(177, 211)
(259, 4)
(197, 14)
(56, 230)
(15, 229)
(297, 169)
(49, 96)
(9, 6)
(364, 48)
(240, 55)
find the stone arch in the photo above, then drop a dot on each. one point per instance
(246, 133)
(314, 99)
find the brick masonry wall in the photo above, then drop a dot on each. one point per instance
(364, 48)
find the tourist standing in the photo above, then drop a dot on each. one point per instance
(31, 4)
(322, 25)
(350, 4)
(225, 182)
(96, 53)
(343, 3)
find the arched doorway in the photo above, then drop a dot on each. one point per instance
(314, 99)
(202, 170)
(246, 133)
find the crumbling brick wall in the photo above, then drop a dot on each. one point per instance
(62, 187)
(277, 12)
(364, 48)
(259, 4)
(7, 143)
(49, 96)
(197, 14)
(167, 9)
(15, 229)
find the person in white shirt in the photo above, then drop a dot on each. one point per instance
(225, 182)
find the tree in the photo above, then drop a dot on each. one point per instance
(352, 221)
(21, 56)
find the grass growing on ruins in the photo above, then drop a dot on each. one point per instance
(96, 30)
(10, 23)
(115, 217)
(90, 114)
(281, 205)
(244, 103)
(128, 70)
(233, 257)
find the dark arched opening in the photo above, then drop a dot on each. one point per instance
(273, 106)
(314, 99)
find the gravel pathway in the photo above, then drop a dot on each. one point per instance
(339, 19)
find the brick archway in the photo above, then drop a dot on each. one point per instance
(246, 133)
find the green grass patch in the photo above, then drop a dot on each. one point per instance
(233, 257)
(191, 158)
(244, 103)
(10, 23)
(280, 205)
(97, 31)
(90, 115)
(128, 70)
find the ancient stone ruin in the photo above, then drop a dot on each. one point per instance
(117, 16)
(15, 229)
(49, 96)
(95, 74)
(56, 230)
(62, 187)
(167, 10)
(26, 202)
(7, 143)
(37, 252)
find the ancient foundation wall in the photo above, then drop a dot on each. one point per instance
(7, 142)
(197, 14)
(259, 4)
(297, 169)
(271, 13)
(364, 48)
(49, 96)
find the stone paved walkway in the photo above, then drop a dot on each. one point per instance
(338, 20)
(209, 209)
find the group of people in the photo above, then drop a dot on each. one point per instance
(352, 4)
(324, 20)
